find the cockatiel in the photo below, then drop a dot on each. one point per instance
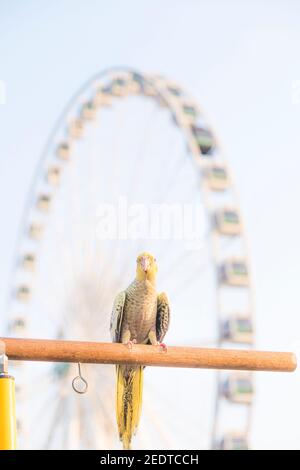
(140, 315)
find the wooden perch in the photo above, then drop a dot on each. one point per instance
(114, 353)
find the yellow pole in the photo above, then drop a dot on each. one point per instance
(8, 433)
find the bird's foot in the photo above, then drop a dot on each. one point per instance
(162, 346)
(130, 344)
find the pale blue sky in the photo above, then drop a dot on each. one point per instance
(239, 60)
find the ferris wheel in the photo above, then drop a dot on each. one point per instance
(139, 140)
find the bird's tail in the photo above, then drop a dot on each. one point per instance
(129, 401)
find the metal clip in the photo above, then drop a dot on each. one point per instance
(79, 384)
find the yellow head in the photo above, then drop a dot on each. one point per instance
(146, 267)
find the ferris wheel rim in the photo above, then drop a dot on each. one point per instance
(173, 108)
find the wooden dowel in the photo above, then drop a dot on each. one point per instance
(113, 353)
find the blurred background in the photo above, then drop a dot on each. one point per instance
(240, 63)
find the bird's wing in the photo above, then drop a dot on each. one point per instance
(162, 316)
(117, 316)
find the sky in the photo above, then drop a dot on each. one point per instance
(241, 62)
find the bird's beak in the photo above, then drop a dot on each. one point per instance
(145, 263)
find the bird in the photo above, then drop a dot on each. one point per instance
(139, 316)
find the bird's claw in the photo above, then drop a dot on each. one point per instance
(130, 343)
(163, 347)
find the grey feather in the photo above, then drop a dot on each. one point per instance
(117, 317)
(162, 316)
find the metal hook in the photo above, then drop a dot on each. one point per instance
(79, 384)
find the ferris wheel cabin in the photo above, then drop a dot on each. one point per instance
(238, 388)
(76, 128)
(88, 111)
(36, 231)
(205, 139)
(102, 97)
(237, 329)
(44, 202)
(227, 221)
(64, 151)
(234, 272)
(23, 293)
(29, 261)
(53, 175)
(217, 177)
(233, 441)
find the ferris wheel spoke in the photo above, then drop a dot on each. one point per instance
(135, 179)
(164, 426)
(57, 418)
(184, 257)
(88, 428)
(108, 262)
(169, 185)
(60, 285)
(104, 420)
(45, 408)
(103, 415)
(192, 275)
(116, 144)
(159, 428)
